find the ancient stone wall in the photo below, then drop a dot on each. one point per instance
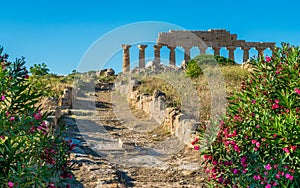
(155, 106)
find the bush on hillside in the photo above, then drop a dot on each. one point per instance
(194, 66)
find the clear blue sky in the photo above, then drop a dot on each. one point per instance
(59, 33)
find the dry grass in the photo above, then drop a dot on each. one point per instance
(228, 81)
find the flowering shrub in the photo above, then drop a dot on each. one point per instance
(31, 155)
(258, 142)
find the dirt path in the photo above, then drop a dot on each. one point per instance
(115, 150)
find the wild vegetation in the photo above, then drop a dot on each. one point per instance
(257, 142)
(32, 152)
(232, 73)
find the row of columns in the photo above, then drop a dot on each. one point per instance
(187, 55)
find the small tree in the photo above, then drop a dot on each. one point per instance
(193, 69)
(39, 69)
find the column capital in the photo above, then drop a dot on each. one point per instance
(231, 47)
(142, 46)
(186, 47)
(126, 46)
(216, 50)
(157, 46)
(246, 48)
(216, 47)
(171, 47)
(202, 49)
(260, 48)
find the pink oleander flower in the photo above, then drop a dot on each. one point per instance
(37, 116)
(293, 148)
(236, 148)
(220, 179)
(268, 59)
(257, 177)
(12, 118)
(288, 176)
(235, 171)
(207, 157)
(244, 159)
(253, 101)
(277, 176)
(276, 101)
(196, 147)
(10, 184)
(253, 141)
(32, 129)
(268, 186)
(297, 90)
(3, 98)
(275, 106)
(255, 148)
(257, 144)
(286, 150)
(268, 167)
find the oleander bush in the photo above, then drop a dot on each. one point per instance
(32, 154)
(258, 141)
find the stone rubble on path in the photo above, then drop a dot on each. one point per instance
(113, 153)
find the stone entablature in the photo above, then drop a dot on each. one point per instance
(216, 39)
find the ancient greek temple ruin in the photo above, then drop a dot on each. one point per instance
(216, 39)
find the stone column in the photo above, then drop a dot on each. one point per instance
(231, 52)
(246, 53)
(260, 51)
(202, 50)
(172, 58)
(126, 58)
(216, 50)
(142, 55)
(187, 53)
(157, 48)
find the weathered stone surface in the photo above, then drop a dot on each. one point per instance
(182, 169)
(155, 106)
(66, 99)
